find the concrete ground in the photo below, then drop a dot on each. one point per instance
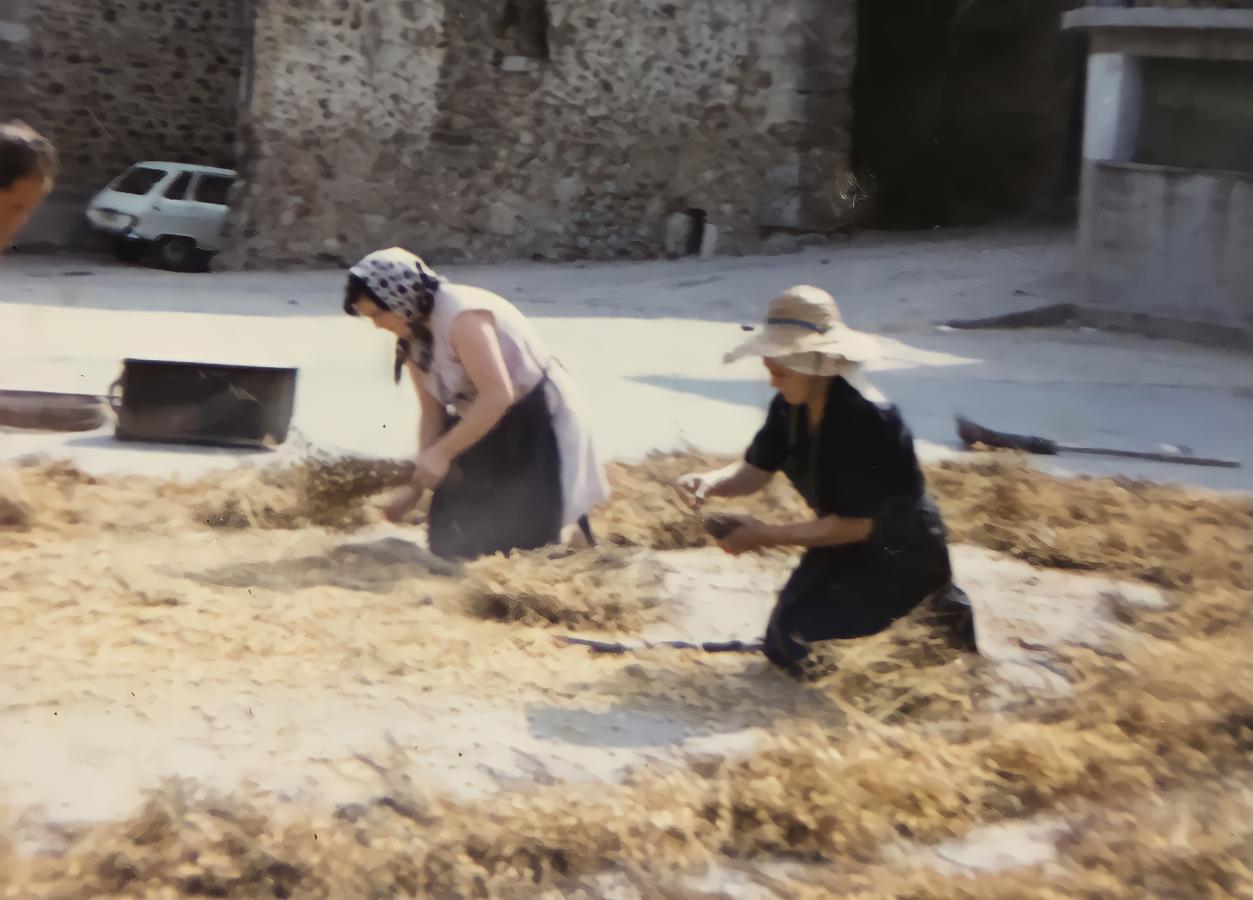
(645, 341)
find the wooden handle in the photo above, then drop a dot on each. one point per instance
(1177, 458)
(114, 395)
(972, 433)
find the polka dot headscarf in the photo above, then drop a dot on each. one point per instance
(401, 283)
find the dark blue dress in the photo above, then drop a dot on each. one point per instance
(861, 464)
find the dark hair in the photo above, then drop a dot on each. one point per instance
(357, 290)
(24, 152)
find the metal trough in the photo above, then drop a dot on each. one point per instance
(203, 403)
(48, 411)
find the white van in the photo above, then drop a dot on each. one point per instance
(174, 210)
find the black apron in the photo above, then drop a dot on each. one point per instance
(504, 492)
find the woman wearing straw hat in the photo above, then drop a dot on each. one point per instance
(876, 546)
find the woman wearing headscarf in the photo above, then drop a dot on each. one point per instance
(875, 547)
(502, 443)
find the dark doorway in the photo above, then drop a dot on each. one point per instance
(964, 110)
(525, 25)
(696, 231)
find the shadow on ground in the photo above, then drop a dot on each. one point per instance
(375, 567)
(655, 706)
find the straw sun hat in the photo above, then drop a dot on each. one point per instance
(805, 332)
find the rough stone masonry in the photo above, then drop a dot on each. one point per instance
(493, 129)
(114, 82)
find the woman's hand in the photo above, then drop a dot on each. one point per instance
(431, 468)
(700, 484)
(750, 534)
(399, 506)
(739, 479)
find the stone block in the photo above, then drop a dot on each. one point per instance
(501, 219)
(567, 189)
(786, 175)
(677, 229)
(550, 226)
(780, 244)
(518, 64)
(783, 212)
(13, 32)
(709, 242)
(814, 239)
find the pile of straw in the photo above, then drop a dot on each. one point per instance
(603, 589)
(811, 795)
(319, 492)
(1146, 760)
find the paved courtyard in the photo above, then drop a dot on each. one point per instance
(645, 342)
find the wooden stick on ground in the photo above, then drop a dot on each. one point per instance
(707, 646)
(971, 434)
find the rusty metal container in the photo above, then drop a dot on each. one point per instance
(48, 411)
(203, 403)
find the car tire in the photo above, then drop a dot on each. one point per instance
(203, 261)
(178, 254)
(129, 251)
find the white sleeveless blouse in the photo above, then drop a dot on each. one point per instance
(583, 481)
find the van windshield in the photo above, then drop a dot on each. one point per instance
(139, 180)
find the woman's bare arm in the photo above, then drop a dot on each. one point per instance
(474, 341)
(431, 421)
(739, 479)
(828, 531)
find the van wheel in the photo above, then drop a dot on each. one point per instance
(129, 251)
(176, 253)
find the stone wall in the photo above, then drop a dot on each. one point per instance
(113, 82)
(1169, 242)
(492, 129)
